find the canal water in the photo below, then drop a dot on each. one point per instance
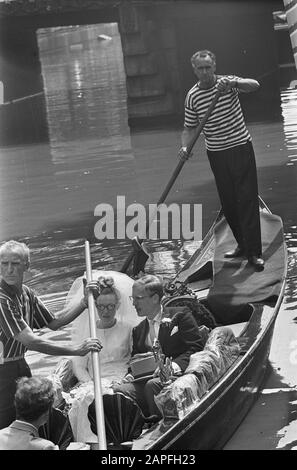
(49, 191)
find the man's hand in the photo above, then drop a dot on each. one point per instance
(183, 154)
(127, 379)
(166, 371)
(225, 84)
(89, 344)
(157, 372)
(139, 275)
(176, 370)
(92, 286)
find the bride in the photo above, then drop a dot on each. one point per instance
(116, 317)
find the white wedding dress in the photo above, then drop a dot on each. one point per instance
(114, 356)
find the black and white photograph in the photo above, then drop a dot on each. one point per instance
(148, 227)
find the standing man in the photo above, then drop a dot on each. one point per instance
(178, 340)
(21, 311)
(229, 149)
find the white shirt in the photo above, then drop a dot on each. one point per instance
(155, 325)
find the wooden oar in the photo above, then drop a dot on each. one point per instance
(176, 171)
(100, 422)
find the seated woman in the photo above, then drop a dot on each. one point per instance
(116, 318)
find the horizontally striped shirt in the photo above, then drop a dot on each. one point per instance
(225, 128)
(17, 311)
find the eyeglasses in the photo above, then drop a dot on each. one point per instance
(139, 297)
(108, 307)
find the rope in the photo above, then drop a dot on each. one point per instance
(24, 98)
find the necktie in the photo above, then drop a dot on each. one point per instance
(152, 330)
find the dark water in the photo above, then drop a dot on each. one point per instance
(49, 191)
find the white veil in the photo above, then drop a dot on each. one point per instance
(126, 312)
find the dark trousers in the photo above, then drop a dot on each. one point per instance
(143, 393)
(57, 429)
(235, 174)
(9, 373)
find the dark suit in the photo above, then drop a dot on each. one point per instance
(178, 340)
(178, 345)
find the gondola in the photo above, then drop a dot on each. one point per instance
(250, 309)
(245, 301)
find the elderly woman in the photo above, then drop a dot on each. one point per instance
(116, 317)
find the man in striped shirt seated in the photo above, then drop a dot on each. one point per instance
(229, 149)
(21, 311)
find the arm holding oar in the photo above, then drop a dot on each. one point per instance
(95, 358)
(21, 311)
(190, 134)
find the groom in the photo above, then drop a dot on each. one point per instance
(178, 341)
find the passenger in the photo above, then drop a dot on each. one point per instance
(116, 318)
(33, 400)
(21, 311)
(178, 340)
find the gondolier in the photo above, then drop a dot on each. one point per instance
(21, 311)
(229, 149)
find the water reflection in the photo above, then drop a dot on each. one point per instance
(84, 81)
(86, 98)
(289, 113)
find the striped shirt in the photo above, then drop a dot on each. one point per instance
(225, 128)
(17, 311)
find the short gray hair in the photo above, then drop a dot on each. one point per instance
(34, 396)
(153, 284)
(16, 247)
(201, 55)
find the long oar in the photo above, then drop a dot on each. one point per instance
(100, 422)
(176, 172)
